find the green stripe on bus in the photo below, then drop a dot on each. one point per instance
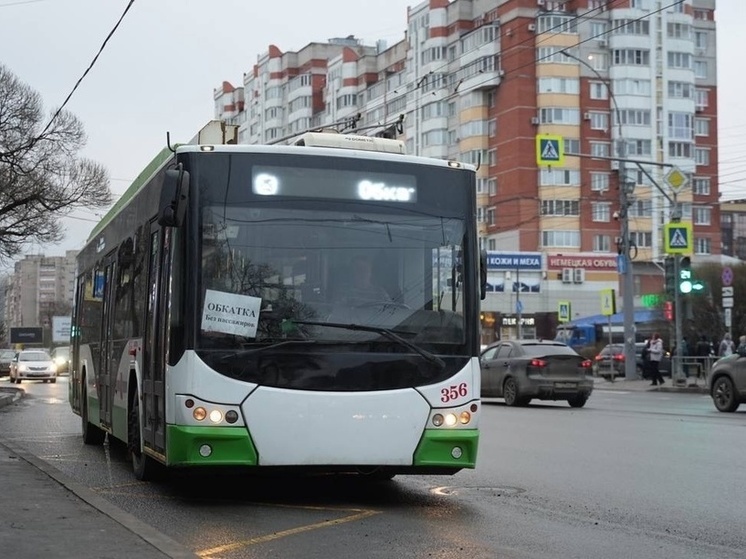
(231, 446)
(436, 448)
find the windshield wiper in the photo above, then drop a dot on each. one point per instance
(384, 332)
(245, 352)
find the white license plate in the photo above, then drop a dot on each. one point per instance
(565, 385)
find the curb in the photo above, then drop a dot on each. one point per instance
(10, 395)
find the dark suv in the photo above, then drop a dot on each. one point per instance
(6, 358)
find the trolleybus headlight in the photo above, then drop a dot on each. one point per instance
(464, 417)
(474, 408)
(216, 416)
(231, 416)
(205, 450)
(437, 420)
(189, 403)
(456, 452)
(451, 419)
(199, 413)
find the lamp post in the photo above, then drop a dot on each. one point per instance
(624, 262)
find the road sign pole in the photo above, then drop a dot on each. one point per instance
(678, 311)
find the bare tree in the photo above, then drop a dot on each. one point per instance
(42, 177)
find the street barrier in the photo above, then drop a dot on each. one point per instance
(689, 370)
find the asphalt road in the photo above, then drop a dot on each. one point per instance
(630, 475)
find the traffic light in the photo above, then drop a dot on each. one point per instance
(687, 283)
(685, 275)
(670, 268)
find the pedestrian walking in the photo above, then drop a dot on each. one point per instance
(741, 349)
(726, 347)
(703, 348)
(646, 359)
(656, 353)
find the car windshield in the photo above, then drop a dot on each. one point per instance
(34, 356)
(7, 355)
(61, 352)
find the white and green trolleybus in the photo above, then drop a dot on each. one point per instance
(212, 325)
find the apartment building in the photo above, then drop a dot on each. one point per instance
(39, 287)
(478, 80)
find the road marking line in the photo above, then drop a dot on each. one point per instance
(286, 533)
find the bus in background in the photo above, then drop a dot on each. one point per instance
(215, 322)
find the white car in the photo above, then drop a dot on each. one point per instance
(33, 364)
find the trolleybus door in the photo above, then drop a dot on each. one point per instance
(154, 372)
(107, 367)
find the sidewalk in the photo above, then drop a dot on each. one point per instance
(643, 385)
(47, 514)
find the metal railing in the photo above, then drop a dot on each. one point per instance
(692, 371)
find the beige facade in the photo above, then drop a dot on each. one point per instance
(38, 287)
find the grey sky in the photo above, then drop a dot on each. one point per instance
(159, 70)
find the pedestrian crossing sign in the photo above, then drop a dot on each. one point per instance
(677, 238)
(550, 150)
(564, 312)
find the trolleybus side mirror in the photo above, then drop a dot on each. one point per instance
(483, 274)
(174, 197)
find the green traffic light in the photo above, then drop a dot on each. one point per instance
(686, 286)
(698, 286)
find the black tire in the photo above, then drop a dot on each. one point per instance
(577, 401)
(18, 380)
(143, 466)
(724, 395)
(92, 434)
(53, 381)
(510, 392)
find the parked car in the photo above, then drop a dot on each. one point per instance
(727, 381)
(611, 358)
(61, 357)
(33, 364)
(519, 370)
(6, 358)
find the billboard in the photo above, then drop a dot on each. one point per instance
(61, 326)
(30, 335)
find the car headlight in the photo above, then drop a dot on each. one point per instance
(59, 361)
(22, 368)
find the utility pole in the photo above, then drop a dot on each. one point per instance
(626, 190)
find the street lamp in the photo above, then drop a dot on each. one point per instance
(623, 249)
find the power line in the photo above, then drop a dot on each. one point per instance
(77, 84)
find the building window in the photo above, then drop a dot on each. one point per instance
(600, 149)
(702, 216)
(561, 208)
(702, 246)
(701, 186)
(599, 90)
(639, 147)
(631, 57)
(492, 184)
(599, 182)
(492, 157)
(601, 211)
(561, 239)
(559, 177)
(559, 116)
(701, 127)
(680, 126)
(490, 216)
(630, 86)
(554, 23)
(482, 187)
(702, 156)
(680, 90)
(599, 121)
(632, 27)
(633, 117)
(700, 40)
(680, 149)
(701, 100)
(679, 31)
(681, 60)
(700, 69)
(641, 239)
(599, 61)
(598, 29)
(601, 243)
(492, 128)
(572, 145)
(641, 208)
(559, 85)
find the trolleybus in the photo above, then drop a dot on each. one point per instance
(213, 324)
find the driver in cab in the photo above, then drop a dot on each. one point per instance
(362, 289)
